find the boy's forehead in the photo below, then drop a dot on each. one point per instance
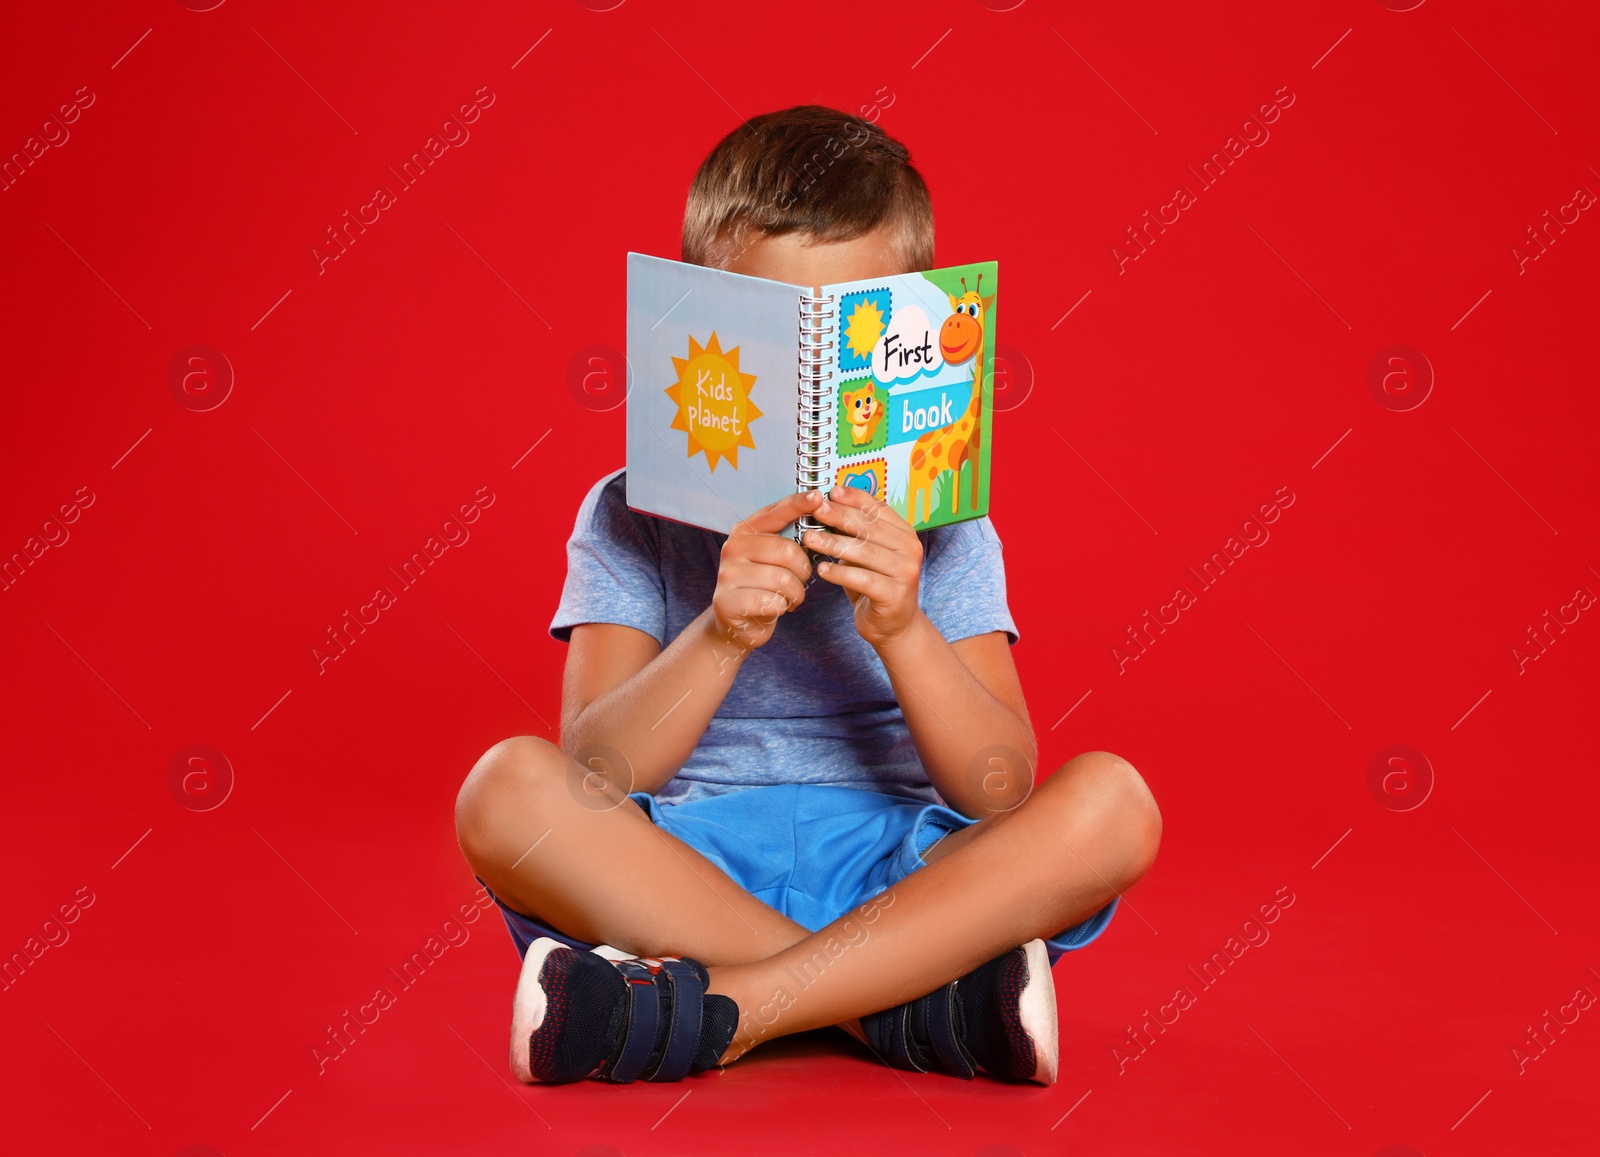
(800, 259)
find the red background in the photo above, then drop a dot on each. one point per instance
(1226, 362)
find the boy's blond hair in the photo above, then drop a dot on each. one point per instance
(809, 170)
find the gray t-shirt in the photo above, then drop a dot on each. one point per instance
(813, 705)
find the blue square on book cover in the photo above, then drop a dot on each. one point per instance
(863, 316)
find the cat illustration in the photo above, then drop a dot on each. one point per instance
(864, 412)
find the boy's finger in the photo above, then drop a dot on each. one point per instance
(858, 513)
(776, 550)
(785, 590)
(870, 507)
(858, 579)
(774, 517)
(858, 552)
(750, 609)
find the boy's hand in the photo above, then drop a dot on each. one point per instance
(762, 574)
(880, 561)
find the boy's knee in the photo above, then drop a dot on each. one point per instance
(515, 769)
(1113, 796)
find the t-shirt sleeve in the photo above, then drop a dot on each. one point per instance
(613, 567)
(963, 587)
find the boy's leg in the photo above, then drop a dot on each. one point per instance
(552, 841)
(1085, 835)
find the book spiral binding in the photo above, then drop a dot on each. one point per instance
(814, 452)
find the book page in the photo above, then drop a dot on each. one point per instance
(712, 401)
(914, 387)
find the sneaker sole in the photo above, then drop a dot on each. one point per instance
(528, 1007)
(1036, 1009)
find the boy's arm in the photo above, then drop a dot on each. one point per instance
(622, 692)
(958, 698)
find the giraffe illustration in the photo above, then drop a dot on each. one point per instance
(961, 337)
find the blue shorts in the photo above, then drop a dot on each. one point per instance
(812, 851)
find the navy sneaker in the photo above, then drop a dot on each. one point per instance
(586, 1014)
(1000, 1018)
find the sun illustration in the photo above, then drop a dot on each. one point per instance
(714, 405)
(863, 329)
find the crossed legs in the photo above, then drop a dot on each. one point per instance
(590, 863)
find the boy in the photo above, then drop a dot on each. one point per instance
(833, 818)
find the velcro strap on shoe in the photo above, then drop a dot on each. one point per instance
(889, 1034)
(942, 1012)
(683, 1032)
(644, 1017)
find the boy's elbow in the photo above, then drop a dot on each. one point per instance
(999, 778)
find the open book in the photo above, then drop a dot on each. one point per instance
(745, 390)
